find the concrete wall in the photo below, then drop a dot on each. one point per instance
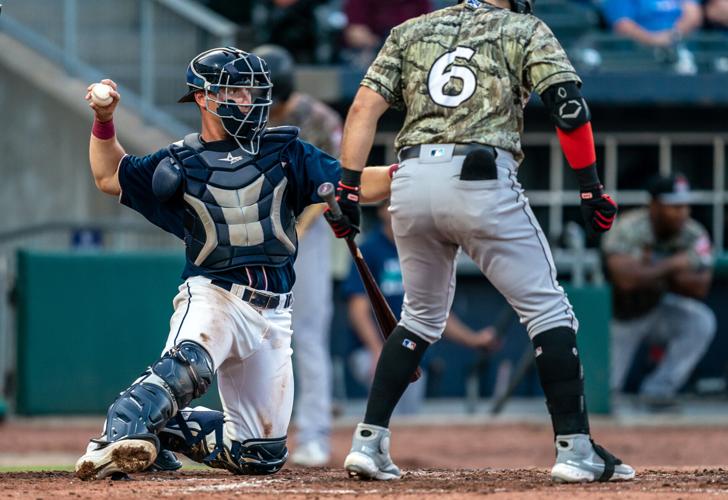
(44, 131)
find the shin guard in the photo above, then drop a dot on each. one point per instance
(561, 375)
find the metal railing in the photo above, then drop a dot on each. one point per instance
(558, 196)
(144, 45)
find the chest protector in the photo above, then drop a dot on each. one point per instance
(235, 210)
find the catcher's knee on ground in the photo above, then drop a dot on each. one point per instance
(183, 373)
(198, 434)
(259, 456)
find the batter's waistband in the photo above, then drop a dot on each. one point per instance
(257, 298)
(459, 150)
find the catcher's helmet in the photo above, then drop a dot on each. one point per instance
(222, 72)
(281, 66)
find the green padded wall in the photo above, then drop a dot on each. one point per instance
(88, 325)
(593, 307)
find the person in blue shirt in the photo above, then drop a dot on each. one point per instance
(380, 253)
(656, 23)
(232, 194)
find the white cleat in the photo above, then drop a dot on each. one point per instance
(369, 456)
(580, 460)
(126, 456)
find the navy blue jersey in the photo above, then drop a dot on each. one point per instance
(306, 168)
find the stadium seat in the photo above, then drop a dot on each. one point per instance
(567, 19)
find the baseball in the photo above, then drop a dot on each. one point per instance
(100, 94)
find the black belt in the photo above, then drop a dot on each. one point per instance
(256, 298)
(460, 150)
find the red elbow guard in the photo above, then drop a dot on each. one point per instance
(578, 146)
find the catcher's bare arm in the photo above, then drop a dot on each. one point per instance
(105, 154)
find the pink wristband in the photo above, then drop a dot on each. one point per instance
(103, 130)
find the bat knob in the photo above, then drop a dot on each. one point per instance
(325, 190)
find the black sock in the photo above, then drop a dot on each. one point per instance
(400, 357)
(562, 380)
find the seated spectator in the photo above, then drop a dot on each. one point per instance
(371, 20)
(657, 23)
(660, 24)
(290, 24)
(716, 14)
(380, 254)
(659, 261)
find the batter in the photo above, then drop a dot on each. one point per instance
(463, 75)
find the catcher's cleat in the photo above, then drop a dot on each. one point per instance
(103, 458)
(166, 461)
(369, 456)
(581, 460)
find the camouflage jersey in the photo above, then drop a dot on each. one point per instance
(320, 125)
(633, 235)
(464, 73)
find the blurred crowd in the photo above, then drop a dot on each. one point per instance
(352, 31)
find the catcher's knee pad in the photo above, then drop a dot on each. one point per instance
(186, 370)
(183, 373)
(559, 369)
(259, 456)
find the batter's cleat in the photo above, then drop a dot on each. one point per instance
(581, 460)
(310, 454)
(166, 462)
(129, 455)
(369, 456)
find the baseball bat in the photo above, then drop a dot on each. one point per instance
(386, 321)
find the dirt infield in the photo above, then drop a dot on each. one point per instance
(464, 461)
(317, 483)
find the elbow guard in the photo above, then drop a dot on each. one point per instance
(566, 106)
(571, 116)
(166, 180)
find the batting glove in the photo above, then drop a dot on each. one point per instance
(598, 209)
(347, 195)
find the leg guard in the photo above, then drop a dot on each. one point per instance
(560, 372)
(198, 434)
(259, 456)
(183, 373)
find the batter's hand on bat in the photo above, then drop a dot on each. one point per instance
(598, 209)
(346, 225)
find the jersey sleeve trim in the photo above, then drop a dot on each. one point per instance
(381, 89)
(554, 78)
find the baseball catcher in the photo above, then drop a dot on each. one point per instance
(232, 193)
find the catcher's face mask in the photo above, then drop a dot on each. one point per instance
(237, 89)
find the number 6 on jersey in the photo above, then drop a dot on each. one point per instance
(443, 70)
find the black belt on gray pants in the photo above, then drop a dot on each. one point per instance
(479, 163)
(460, 150)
